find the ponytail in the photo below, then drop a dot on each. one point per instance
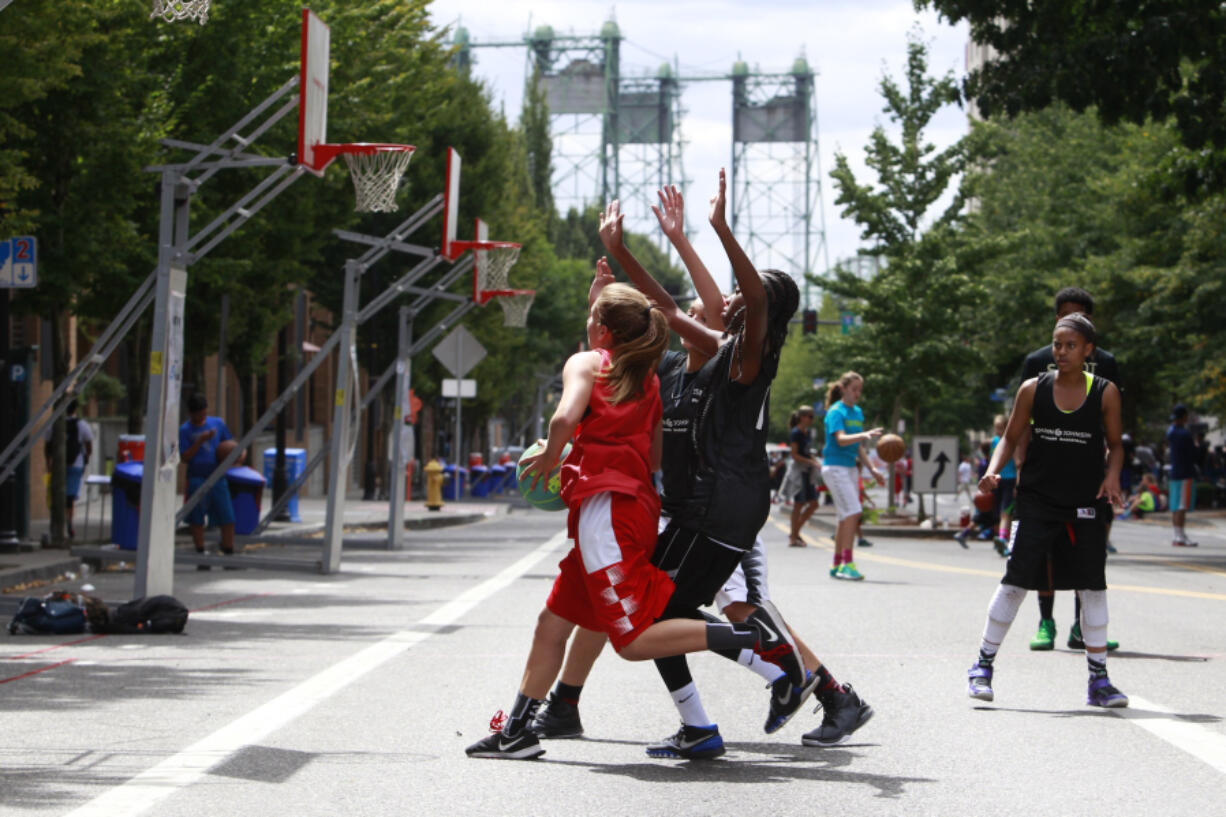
(835, 392)
(640, 336)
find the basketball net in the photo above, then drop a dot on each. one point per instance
(376, 178)
(174, 10)
(515, 309)
(494, 267)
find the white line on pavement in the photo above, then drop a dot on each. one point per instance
(180, 770)
(1193, 738)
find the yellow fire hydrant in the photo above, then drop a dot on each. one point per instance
(434, 485)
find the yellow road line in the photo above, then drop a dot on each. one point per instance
(939, 568)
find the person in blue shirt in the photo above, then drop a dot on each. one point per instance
(199, 439)
(1181, 452)
(1005, 490)
(842, 457)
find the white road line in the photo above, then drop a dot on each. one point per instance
(178, 771)
(1193, 738)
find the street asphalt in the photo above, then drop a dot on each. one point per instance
(354, 694)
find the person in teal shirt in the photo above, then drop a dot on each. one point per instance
(841, 460)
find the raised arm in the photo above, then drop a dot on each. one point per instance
(750, 286)
(671, 215)
(603, 277)
(1015, 431)
(613, 238)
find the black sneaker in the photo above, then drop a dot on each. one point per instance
(690, 743)
(522, 746)
(845, 713)
(775, 643)
(786, 700)
(557, 719)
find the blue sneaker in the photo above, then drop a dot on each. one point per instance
(786, 699)
(1101, 692)
(979, 682)
(690, 743)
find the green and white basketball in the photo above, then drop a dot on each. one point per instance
(547, 493)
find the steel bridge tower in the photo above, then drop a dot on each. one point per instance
(777, 211)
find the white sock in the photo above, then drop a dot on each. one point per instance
(689, 705)
(751, 660)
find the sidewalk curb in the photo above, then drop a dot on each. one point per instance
(47, 570)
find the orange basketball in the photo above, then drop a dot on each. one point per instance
(984, 501)
(891, 448)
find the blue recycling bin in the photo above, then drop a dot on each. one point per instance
(481, 481)
(295, 464)
(498, 479)
(246, 491)
(453, 482)
(125, 504)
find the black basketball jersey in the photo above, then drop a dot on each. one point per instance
(723, 484)
(1065, 459)
(677, 453)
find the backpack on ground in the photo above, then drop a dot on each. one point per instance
(55, 614)
(155, 614)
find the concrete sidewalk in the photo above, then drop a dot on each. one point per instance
(34, 564)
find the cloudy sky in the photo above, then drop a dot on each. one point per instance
(851, 44)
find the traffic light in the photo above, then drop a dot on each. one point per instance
(809, 321)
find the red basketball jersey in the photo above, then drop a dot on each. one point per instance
(612, 446)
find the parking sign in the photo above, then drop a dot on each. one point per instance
(19, 263)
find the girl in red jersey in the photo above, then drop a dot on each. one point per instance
(610, 405)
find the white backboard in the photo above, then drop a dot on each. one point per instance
(313, 90)
(451, 206)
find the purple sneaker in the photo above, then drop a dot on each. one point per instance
(1103, 693)
(979, 682)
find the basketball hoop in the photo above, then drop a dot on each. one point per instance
(173, 11)
(515, 308)
(376, 170)
(494, 260)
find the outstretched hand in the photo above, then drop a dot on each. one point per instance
(671, 212)
(536, 468)
(719, 203)
(611, 226)
(602, 278)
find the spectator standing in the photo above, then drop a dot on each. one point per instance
(78, 448)
(1181, 452)
(199, 439)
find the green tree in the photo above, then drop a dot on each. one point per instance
(1129, 61)
(911, 348)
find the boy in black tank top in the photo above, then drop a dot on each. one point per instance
(1063, 491)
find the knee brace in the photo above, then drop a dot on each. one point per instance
(1093, 617)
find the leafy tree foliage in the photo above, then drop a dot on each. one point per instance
(911, 349)
(1128, 60)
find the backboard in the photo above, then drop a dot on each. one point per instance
(313, 92)
(451, 205)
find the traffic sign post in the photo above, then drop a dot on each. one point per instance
(459, 352)
(935, 466)
(19, 263)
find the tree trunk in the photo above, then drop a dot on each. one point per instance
(137, 352)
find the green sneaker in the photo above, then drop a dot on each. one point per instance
(1075, 642)
(1045, 638)
(834, 571)
(848, 571)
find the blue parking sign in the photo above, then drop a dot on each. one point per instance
(19, 263)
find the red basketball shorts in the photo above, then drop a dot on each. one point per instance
(607, 582)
